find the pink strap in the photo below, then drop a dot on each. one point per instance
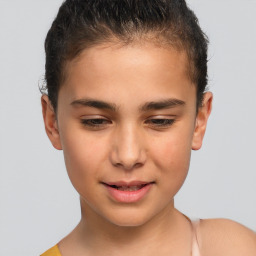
(195, 246)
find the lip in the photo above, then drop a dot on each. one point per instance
(124, 183)
(126, 196)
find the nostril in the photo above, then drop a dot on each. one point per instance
(138, 165)
(118, 165)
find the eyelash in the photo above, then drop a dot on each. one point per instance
(95, 122)
(161, 122)
(98, 123)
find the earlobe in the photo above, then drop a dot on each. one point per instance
(50, 122)
(201, 121)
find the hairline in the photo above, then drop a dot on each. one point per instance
(142, 39)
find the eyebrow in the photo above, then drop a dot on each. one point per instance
(162, 104)
(94, 104)
(153, 105)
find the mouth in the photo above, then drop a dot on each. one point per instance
(128, 192)
(128, 188)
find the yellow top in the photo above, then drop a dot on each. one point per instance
(54, 251)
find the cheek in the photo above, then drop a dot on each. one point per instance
(83, 156)
(173, 150)
(172, 158)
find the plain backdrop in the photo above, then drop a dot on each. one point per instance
(38, 205)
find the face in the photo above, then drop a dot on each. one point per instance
(127, 122)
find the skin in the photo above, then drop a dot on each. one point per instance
(128, 140)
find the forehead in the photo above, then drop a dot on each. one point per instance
(105, 56)
(109, 70)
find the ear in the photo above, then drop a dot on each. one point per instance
(50, 122)
(201, 121)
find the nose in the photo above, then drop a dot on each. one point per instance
(128, 151)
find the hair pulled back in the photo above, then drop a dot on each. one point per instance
(84, 23)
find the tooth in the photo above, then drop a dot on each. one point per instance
(129, 188)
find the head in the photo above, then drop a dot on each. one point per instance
(126, 102)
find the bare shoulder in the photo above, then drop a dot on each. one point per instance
(219, 237)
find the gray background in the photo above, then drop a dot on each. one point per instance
(38, 205)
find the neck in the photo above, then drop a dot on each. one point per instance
(102, 237)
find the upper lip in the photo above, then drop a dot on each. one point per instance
(127, 184)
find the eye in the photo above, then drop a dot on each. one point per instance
(95, 123)
(160, 122)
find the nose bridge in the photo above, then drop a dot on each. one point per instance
(128, 150)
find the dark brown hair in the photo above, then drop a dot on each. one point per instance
(84, 23)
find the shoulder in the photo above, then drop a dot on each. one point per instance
(219, 237)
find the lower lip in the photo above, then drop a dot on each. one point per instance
(129, 196)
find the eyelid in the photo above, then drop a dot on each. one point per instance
(95, 116)
(168, 121)
(161, 117)
(99, 122)
(91, 121)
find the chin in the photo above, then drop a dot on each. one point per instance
(129, 223)
(131, 219)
